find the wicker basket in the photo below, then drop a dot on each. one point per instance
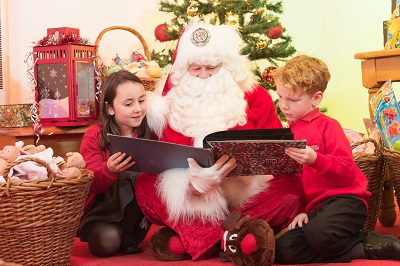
(149, 83)
(372, 165)
(393, 162)
(4, 263)
(39, 218)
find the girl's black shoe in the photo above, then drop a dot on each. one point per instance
(131, 248)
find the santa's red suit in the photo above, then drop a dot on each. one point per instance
(167, 199)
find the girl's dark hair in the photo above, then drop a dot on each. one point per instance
(108, 94)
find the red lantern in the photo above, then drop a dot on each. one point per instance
(275, 32)
(65, 89)
(160, 33)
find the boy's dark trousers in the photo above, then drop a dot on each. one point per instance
(334, 228)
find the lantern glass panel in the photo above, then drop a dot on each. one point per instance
(53, 90)
(85, 81)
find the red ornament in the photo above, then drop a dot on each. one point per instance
(275, 32)
(160, 33)
(268, 76)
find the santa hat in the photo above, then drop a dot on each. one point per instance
(206, 44)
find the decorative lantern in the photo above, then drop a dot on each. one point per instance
(64, 70)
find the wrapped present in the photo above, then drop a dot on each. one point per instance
(15, 115)
(64, 31)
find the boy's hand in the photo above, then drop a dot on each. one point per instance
(298, 221)
(118, 162)
(302, 156)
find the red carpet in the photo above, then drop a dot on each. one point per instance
(82, 256)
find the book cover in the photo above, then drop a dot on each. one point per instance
(261, 157)
(155, 157)
(256, 152)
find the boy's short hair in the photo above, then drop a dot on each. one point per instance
(305, 73)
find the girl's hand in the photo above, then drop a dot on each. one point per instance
(298, 221)
(302, 156)
(118, 162)
(204, 180)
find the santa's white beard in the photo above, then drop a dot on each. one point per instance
(203, 106)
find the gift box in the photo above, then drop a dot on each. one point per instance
(15, 115)
(64, 31)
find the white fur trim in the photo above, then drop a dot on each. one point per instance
(241, 189)
(157, 109)
(173, 187)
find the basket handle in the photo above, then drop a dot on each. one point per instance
(27, 159)
(377, 150)
(136, 33)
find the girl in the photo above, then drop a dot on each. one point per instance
(112, 220)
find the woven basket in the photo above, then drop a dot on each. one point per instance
(149, 83)
(4, 263)
(372, 165)
(393, 161)
(39, 218)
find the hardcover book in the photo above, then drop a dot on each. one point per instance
(257, 152)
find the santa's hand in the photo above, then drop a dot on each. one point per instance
(206, 179)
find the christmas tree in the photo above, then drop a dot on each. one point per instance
(258, 23)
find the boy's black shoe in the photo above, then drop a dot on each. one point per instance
(382, 247)
(131, 248)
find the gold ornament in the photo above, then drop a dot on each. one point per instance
(192, 10)
(260, 11)
(230, 18)
(261, 44)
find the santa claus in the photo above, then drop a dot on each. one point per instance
(211, 88)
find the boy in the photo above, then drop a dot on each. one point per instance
(331, 229)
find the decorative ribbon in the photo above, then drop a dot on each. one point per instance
(32, 84)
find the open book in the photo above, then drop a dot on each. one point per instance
(260, 151)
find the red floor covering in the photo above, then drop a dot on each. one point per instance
(81, 255)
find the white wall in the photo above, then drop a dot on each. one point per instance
(331, 30)
(31, 18)
(5, 59)
(334, 31)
